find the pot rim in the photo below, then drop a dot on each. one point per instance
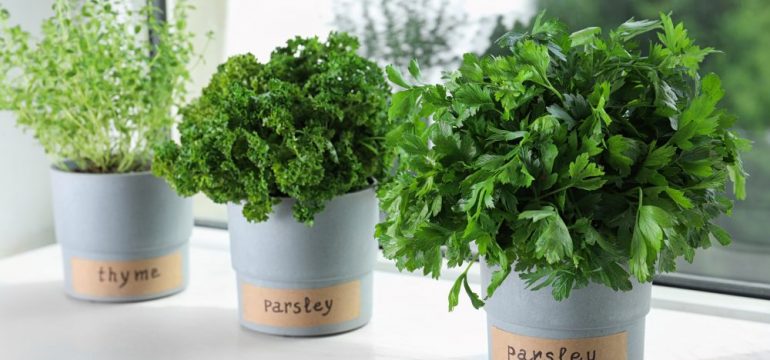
(371, 186)
(57, 170)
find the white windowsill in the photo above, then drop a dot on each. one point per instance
(37, 321)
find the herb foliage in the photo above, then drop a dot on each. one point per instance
(309, 124)
(576, 158)
(89, 88)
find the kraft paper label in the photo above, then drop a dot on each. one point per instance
(507, 346)
(117, 278)
(298, 308)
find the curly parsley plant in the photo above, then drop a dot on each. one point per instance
(576, 158)
(309, 124)
(96, 93)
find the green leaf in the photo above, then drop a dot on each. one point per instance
(454, 293)
(701, 168)
(592, 236)
(623, 153)
(599, 98)
(651, 224)
(600, 95)
(553, 241)
(475, 300)
(470, 68)
(536, 55)
(694, 55)
(697, 119)
(537, 215)
(402, 103)
(660, 157)
(546, 26)
(515, 173)
(505, 135)
(395, 77)
(674, 37)
(585, 174)
(497, 279)
(472, 95)
(414, 70)
(638, 262)
(665, 99)
(633, 28)
(615, 277)
(548, 155)
(545, 125)
(652, 221)
(436, 205)
(481, 196)
(561, 114)
(413, 145)
(590, 147)
(585, 36)
(738, 178)
(562, 285)
(679, 197)
(720, 234)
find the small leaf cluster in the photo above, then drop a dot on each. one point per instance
(93, 89)
(575, 158)
(309, 124)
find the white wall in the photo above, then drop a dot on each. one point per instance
(25, 198)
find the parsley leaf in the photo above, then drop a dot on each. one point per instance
(553, 239)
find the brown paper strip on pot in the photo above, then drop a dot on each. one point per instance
(127, 279)
(507, 346)
(298, 308)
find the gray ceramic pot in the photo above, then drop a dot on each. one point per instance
(297, 280)
(123, 236)
(594, 323)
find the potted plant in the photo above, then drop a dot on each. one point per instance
(98, 95)
(294, 146)
(578, 164)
